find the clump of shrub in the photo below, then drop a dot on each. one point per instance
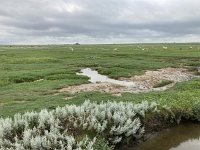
(196, 110)
(24, 78)
(75, 127)
(162, 83)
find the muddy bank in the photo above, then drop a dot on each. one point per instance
(136, 84)
(151, 78)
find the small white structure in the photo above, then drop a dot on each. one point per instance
(115, 49)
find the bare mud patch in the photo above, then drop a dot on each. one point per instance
(39, 80)
(101, 87)
(68, 98)
(151, 78)
(136, 84)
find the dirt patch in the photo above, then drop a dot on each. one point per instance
(151, 78)
(198, 70)
(39, 80)
(102, 87)
(68, 98)
(143, 83)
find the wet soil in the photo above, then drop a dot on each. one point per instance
(136, 84)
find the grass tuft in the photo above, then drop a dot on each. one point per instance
(162, 83)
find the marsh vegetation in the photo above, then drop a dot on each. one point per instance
(31, 78)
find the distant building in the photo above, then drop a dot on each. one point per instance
(77, 44)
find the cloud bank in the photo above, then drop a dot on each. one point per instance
(99, 21)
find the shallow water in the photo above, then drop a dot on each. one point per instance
(95, 77)
(183, 137)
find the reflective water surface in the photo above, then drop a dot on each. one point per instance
(95, 77)
(183, 137)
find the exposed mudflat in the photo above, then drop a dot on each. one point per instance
(151, 78)
(135, 84)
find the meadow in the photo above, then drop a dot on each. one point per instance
(30, 76)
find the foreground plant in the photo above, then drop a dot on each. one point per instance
(74, 127)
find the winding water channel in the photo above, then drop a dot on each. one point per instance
(95, 77)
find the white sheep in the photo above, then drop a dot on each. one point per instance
(164, 47)
(71, 48)
(145, 49)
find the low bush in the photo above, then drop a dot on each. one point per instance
(75, 127)
(162, 83)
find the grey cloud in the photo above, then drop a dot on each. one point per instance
(95, 21)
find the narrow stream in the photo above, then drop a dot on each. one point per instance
(95, 77)
(183, 137)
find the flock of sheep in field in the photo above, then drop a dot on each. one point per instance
(140, 47)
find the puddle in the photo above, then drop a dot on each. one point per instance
(136, 84)
(95, 77)
(183, 137)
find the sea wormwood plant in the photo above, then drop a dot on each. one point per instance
(51, 130)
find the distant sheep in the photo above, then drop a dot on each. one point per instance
(165, 48)
(71, 48)
(145, 49)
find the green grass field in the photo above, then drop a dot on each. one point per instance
(21, 66)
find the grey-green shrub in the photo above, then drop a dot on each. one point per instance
(54, 129)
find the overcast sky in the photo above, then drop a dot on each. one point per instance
(99, 21)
